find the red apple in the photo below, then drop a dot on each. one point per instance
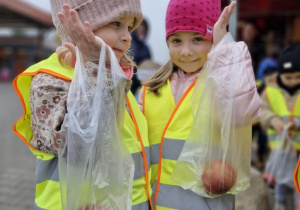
(218, 177)
(94, 208)
(269, 179)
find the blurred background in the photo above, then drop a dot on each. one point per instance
(28, 36)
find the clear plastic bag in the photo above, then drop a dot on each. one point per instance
(282, 162)
(215, 159)
(95, 167)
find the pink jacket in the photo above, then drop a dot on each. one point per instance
(245, 90)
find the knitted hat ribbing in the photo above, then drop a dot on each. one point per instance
(289, 60)
(192, 15)
(97, 12)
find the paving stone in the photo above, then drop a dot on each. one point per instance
(17, 163)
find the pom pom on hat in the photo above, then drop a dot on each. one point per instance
(192, 15)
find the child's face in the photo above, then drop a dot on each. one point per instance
(117, 35)
(270, 78)
(290, 79)
(188, 50)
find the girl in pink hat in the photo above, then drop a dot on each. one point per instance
(195, 33)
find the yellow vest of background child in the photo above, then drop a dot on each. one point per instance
(279, 107)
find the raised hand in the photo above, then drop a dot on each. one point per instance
(220, 28)
(81, 34)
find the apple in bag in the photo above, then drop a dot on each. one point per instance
(218, 177)
(94, 208)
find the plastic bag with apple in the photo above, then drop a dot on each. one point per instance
(215, 159)
(95, 167)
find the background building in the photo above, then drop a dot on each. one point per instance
(23, 31)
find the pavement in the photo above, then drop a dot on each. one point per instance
(17, 164)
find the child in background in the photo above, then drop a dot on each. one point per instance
(140, 50)
(281, 107)
(192, 29)
(43, 90)
(269, 70)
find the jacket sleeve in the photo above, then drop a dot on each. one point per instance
(267, 114)
(48, 97)
(232, 66)
(48, 102)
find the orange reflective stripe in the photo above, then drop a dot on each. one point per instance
(162, 139)
(48, 72)
(144, 95)
(296, 183)
(22, 100)
(24, 108)
(143, 150)
(291, 117)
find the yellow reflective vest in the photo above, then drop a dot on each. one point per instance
(169, 126)
(279, 107)
(135, 135)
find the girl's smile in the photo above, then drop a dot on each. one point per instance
(189, 61)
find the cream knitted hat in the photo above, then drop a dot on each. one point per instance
(97, 12)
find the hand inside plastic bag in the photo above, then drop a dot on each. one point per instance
(95, 168)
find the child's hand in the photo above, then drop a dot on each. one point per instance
(278, 125)
(291, 125)
(82, 35)
(220, 28)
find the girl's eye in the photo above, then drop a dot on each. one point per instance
(198, 39)
(116, 23)
(176, 41)
(130, 28)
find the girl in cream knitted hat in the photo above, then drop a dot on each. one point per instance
(43, 88)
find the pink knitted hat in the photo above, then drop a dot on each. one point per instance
(192, 15)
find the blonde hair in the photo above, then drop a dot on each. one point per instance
(127, 60)
(160, 77)
(65, 58)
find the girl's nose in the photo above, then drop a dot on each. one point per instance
(186, 50)
(126, 36)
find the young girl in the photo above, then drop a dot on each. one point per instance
(43, 90)
(192, 29)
